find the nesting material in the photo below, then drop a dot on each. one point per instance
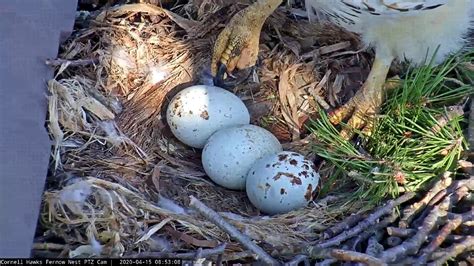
(120, 183)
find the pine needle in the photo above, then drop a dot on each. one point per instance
(418, 136)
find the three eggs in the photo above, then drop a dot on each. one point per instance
(237, 155)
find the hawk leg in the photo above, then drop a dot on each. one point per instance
(237, 45)
(366, 103)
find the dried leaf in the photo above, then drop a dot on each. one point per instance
(334, 90)
(333, 48)
(191, 240)
(288, 101)
(97, 108)
(153, 230)
(155, 177)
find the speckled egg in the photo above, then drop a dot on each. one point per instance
(197, 112)
(229, 153)
(282, 182)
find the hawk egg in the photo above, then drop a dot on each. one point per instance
(282, 182)
(195, 113)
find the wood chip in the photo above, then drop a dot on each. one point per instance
(333, 48)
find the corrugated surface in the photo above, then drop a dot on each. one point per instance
(30, 32)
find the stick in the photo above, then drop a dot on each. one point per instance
(219, 259)
(454, 186)
(78, 62)
(449, 238)
(469, 183)
(370, 221)
(353, 256)
(455, 238)
(465, 164)
(213, 216)
(198, 255)
(443, 234)
(204, 253)
(244, 255)
(48, 246)
(347, 223)
(330, 260)
(453, 251)
(451, 113)
(410, 212)
(401, 232)
(297, 260)
(374, 248)
(383, 224)
(327, 262)
(426, 210)
(412, 245)
(458, 196)
(394, 241)
(352, 244)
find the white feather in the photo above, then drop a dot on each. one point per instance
(411, 30)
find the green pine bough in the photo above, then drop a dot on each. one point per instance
(418, 136)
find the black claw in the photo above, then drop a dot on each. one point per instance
(219, 78)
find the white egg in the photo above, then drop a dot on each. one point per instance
(229, 153)
(282, 182)
(195, 113)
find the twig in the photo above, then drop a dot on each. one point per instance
(374, 248)
(453, 251)
(468, 183)
(443, 234)
(370, 221)
(410, 212)
(465, 164)
(205, 253)
(394, 241)
(401, 232)
(412, 245)
(219, 259)
(458, 196)
(327, 262)
(244, 255)
(198, 254)
(455, 238)
(297, 260)
(382, 224)
(353, 256)
(454, 186)
(426, 210)
(48, 246)
(347, 223)
(77, 62)
(213, 216)
(330, 260)
(451, 113)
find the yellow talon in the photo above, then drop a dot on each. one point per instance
(237, 45)
(366, 103)
(225, 57)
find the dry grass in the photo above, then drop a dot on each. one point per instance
(128, 180)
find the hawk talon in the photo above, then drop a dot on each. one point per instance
(219, 78)
(237, 46)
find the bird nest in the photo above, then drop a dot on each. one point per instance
(121, 185)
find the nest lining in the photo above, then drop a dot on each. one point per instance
(120, 182)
